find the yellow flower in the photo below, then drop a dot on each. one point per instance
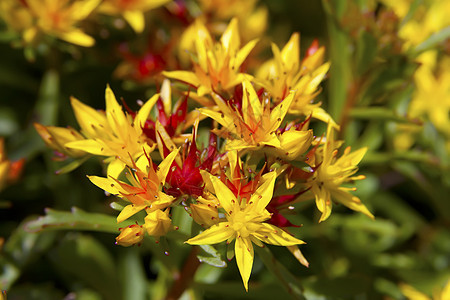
(252, 21)
(432, 95)
(112, 133)
(245, 224)
(130, 235)
(413, 294)
(131, 10)
(59, 18)
(144, 189)
(16, 15)
(255, 125)
(429, 17)
(331, 172)
(216, 65)
(285, 73)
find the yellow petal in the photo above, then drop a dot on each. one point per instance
(323, 202)
(115, 115)
(143, 113)
(89, 119)
(106, 184)
(90, 146)
(185, 76)
(411, 293)
(276, 236)
(166, 96)
(244, 258)
(230, 38)
(298, 255)
(164, 166)
(244, 52)
(115, 168)
(128, 211)
(223, 194)
(279, 112)
(351, 202)
(82, 9)
(290, 54)
(320, 114)
(77, 37)
(215, 234)
(262, 196)
(163, 138)
(356, 156)
(251, 97)
(136, 20)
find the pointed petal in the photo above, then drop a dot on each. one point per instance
(252, 98)
(244, 52)
(115, 168)
(323, 202)
(271, 234)
(215, 234)
(128, 211)
(279, 112)
(88, 118)
(164, 166)
(144, 112)
(166, 96)
(291, 51)
(185, 76)
(351, 202)
(82, 9)
(136, 19)
(298, 255)
(91, 146)
(230, 38)
(320, 114)
(106, 184)
(264, 193)
(223, 194)
(77, 37)
(243, 250)
(114, 113)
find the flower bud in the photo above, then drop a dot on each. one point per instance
(130, 235)
(158, 223)
(205, 214)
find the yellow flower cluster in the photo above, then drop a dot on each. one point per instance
(62, 18)
(431, 97)
(260, 137)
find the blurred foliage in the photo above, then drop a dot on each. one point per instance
(57, 231)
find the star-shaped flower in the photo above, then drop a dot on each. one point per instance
(245, 224)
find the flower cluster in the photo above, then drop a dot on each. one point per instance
(263, 154)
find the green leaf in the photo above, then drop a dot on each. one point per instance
(433, 40)
(89, 261)
(378, 113)
(132, 274)
(20, 249)
(366, 50)
(72, 165)
(77, 219)
(214, 259)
